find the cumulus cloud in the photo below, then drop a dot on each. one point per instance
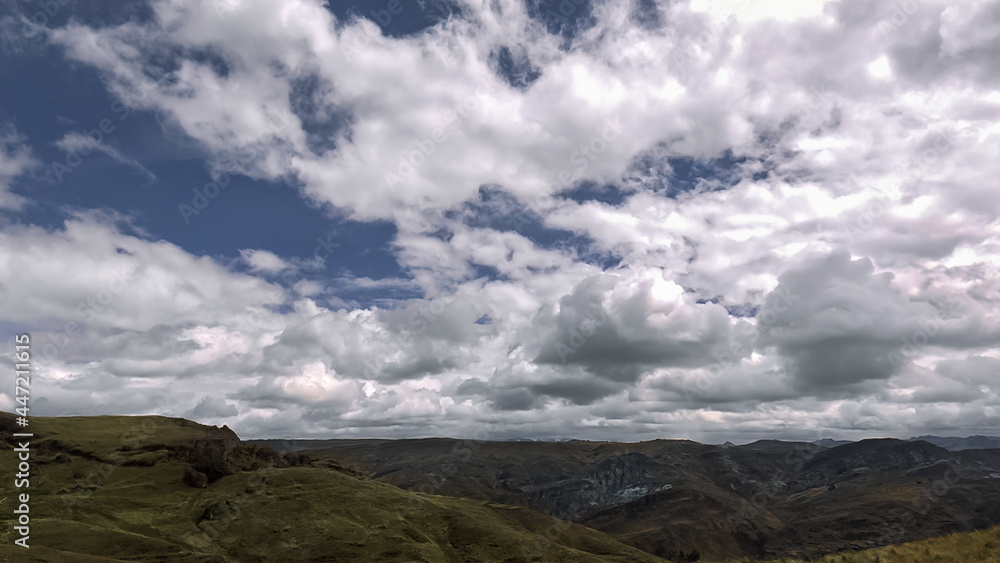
(612, 327)
(263, 261)
(695, 219)
(843, 324)
(103, 272)
(210, 407)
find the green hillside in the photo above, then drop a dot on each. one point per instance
(165, 489)
(970, 547)
(111, 488)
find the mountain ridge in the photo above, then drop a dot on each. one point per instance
(151, 488)
(672, 498)
(162, 488)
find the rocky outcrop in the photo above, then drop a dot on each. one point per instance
(195, 478)
(221, 454)
(210, 456)
(613, 482)
(881, 455)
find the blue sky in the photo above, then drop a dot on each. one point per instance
(167, 166)
(249, 213)
(625, 220)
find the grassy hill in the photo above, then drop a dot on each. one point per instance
(113, 488)
(971, 547)
(681, 500)
(166, 489)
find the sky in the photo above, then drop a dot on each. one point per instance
(506, 219)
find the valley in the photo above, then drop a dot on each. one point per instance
(153, 488)
(680, 499)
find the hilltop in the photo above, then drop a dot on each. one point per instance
(113, 488)
(153, 488)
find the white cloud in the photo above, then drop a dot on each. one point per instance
(96, 271)
(82, 145)
(308, 288)
(263, 261)
(15, 159)
(879, 68)
(210, 407)
(846, 155)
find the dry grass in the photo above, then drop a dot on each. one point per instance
(973, 547)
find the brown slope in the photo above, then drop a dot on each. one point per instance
(672, 497)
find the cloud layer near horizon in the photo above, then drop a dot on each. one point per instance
(829, 271)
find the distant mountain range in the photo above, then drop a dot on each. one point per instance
(686, 501)
(152, 488)
(960, 444)
(830, 443)
(952, 444)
